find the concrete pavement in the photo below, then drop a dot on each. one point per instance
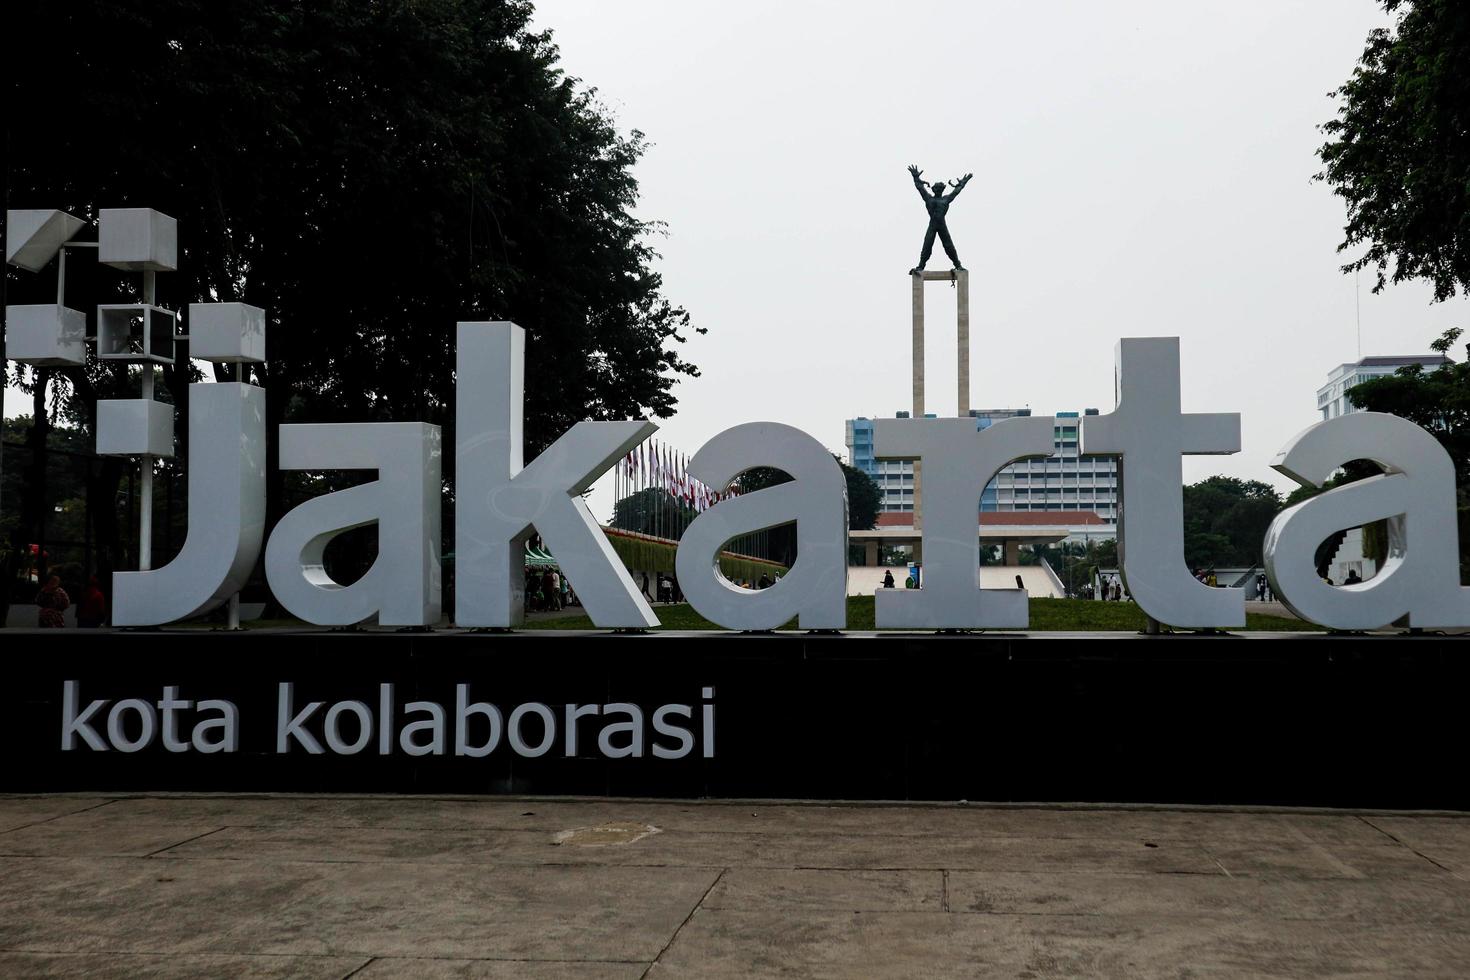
(373, 887)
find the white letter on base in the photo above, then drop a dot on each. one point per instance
(1148, 432)
(226, 512)
(958, 460)
(815, 590)
(402, 588)
(497, 502)
(1420, 579)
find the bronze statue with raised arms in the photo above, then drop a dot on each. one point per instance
(937, 203)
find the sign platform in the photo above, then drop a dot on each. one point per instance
(1289, 719)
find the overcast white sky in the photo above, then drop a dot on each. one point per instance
(1142, 168)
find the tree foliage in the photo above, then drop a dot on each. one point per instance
(1436, 400)
(1225, 521)
(369, 173)
(864, 499)
(1399, 150)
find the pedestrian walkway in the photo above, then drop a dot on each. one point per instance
(331, 887)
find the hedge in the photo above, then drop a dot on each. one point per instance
(642, 554)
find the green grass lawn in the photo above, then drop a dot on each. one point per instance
(1046, 614)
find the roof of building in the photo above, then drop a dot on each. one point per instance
(1402, 360)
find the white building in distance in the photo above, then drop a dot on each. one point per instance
(1332, 399)
(1069, 481)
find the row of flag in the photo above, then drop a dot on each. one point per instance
(654, 464)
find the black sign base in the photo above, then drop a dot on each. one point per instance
(1294, 720)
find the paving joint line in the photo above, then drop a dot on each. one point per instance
(181, 843)
(69, 813)
(680, 928)
(1410, 848)
(359, 968)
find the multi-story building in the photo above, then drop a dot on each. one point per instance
(1332, 398)
(1066, 481)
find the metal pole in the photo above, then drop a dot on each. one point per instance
(42, 428)
(145, 513)
(233, 620)
(87, 524)
(145, 487)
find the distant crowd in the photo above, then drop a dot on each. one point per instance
(52, 602)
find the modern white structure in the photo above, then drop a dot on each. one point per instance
(227, 431)
(1332, 398)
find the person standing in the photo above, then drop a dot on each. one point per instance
(51, 602)
(888, 579)
(92, 613)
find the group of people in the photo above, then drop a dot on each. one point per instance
(669, 591)
(548, 591)
(666, 586)
(908, 582)
(52, 602)
(1353, 578)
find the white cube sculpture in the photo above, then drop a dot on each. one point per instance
(32, 238)
(137, 239)
(135, 427)
(227, 333)
(46, 335)
(136, 332)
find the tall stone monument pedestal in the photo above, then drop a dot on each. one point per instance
(961, 280)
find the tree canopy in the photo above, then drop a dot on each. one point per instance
(1399, 150)
(864, 499)
(368, 172)
(1437, 400)
(1225, 521)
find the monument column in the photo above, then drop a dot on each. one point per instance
(918, 410)
(961, 280)
(918, 279)
(937, 197)
(962, 301)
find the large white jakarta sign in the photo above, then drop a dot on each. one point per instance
(501, 498)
